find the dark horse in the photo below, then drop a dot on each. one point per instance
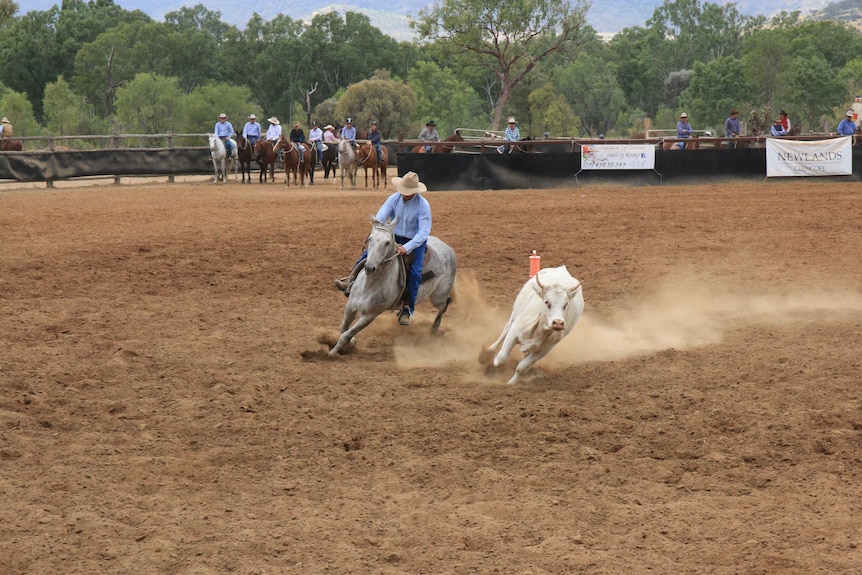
(244, 154)
(7, 145)
(329, 160)
(440, 147)
(266, 156)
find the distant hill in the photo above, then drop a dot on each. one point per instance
(391, 17)
(849, 11)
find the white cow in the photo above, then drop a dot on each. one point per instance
(545, 311)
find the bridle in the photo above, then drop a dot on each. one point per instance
(394, 244)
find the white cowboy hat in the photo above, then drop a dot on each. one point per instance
(5, 120)
(252, 117)
(222, 115)
(409, 184)
(328, 127)
(849, 113)
(512, 120)
(273, 120)
(683, 115)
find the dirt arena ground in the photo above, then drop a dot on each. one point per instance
(166, 408)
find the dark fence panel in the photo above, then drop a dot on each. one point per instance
(494, 171)
(46, 166)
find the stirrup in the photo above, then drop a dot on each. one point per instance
(405, 317)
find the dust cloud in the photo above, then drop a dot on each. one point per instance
(678, 313)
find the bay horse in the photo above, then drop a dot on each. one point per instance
(440, 147)
(244, 153)
(329, 160)
(9, 145)
(380, 284)
(290, 157)
(347, 162)
(266, 156)
(366, 157)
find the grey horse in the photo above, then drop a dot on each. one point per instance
(379, 285)
(347, 161)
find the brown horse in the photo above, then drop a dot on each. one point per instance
(290, 157)
(265, 155)
(7, 145)
(244, 153)
(441, 147)
(366, 157)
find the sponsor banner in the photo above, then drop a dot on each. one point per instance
(618, 157)
(821, 158)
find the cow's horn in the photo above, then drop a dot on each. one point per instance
(575, 289)
(538, 282)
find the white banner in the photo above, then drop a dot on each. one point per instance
(821, 158)
(618, 157)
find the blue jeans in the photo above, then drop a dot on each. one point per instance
(227, 145)
(414, 272)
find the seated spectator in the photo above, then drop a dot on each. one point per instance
(847, 127)
(785, 122)
(777, 128)
(732, 127)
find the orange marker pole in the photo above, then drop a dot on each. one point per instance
(535, 263)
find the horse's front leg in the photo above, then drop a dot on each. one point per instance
(350, 333)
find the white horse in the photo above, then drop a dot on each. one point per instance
(347, 162)
(222, 165)
(378, 287)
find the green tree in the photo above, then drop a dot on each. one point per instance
(443, 97)
(203, 105)
(28, 53)
(115, 57)
(391, 102)
(149, 104)
(63, 109)
(8, 9)
(507, 39)
(17, 107)
(850, 77)
(590, 86)
(716, 88)
(550, 112)
(815, 89)
(766, 55)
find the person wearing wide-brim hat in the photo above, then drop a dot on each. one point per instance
(429, 134)
(251, 130)
(329, 136)
(297, 136)
(412, 215)
(683, 129)
(6, 129)
(273, 133)
(224, 130)
(510, 134)
(847, 127)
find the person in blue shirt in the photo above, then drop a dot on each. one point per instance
(511, 134)
(847, 127)
(224, 131)
(683, 129)
(412, 214)
(777, 128)
(732, 127)
(251, 130)
(348, 132)
(374, 138)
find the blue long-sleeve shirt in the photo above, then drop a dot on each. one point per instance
(847, 127)
(683, 129)
(223, 129)
(413, 218)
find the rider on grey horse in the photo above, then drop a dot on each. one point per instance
(224, 130)
(412, 215)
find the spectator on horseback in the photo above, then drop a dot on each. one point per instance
(348, 132)
(315, 138)
(511, 134)
(6, 129)
(329, 136)
(297, 136)
(683, 129)
(273, 133)
(224, 131)
(777, 129)
(732, 127)
(429, 134)
(412, 214)
(251, 130)
(847, 127)
(374, 138)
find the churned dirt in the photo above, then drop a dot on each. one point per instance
(166, 406)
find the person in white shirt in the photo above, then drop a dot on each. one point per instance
(315, 138)
(273, 133)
